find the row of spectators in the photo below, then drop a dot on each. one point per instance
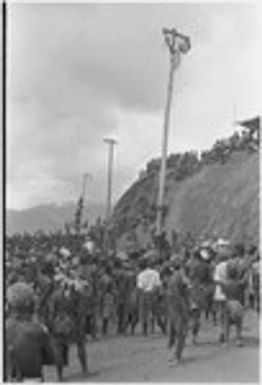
(183, 165)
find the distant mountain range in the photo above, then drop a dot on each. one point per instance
(48, 217)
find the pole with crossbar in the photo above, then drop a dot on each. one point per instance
(177, 44)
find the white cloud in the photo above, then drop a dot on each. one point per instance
(79, 72)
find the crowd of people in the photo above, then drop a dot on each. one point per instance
(62, 289)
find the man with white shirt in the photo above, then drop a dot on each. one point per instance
(148, 282)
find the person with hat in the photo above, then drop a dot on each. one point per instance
(27, 343)
(178, 305)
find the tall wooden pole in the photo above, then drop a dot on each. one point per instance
(177, 44)
(111, 142)
(162, 176)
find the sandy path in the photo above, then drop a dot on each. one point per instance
(139, 359)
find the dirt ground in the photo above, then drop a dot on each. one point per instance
(145, 359)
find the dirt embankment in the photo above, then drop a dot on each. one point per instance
(221, 199)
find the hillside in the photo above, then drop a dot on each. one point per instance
(47, 217)
(220, 198)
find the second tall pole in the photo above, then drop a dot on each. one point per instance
(111, 142)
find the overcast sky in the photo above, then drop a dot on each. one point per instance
(78, 73)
